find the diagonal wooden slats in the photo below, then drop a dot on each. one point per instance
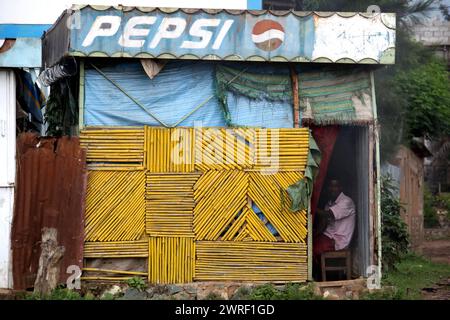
(119, 148)
(269, 194)
(171, 260)
(219, 196)
(115, 206)
(250, 261)
(248, 226)
(170, 203)
(169, 149)
(224, 149)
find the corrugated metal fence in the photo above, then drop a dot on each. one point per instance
(51, 187)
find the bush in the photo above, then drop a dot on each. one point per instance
(137, 283)
(430, 218)
(395, 237)
(291, 291)
(443, 202)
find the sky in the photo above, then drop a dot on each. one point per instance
(47, 11)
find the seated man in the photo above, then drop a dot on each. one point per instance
(336, 222)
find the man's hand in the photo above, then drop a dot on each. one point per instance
(324, 217)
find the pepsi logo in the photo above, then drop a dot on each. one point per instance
(268, 35)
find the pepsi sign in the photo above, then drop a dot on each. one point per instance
(230, 35)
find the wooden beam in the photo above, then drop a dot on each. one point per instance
(295, 98)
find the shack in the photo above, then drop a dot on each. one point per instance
(209, 135)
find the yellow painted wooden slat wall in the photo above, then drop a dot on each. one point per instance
(219, 197)
(115, 206)
(250, 261)
(170, 204)
(224, 149)
(116, 249)
(169, 150)
(119, 148)
(269, 194)
(171, 260)
(282, 149)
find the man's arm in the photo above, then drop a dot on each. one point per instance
(343, 209)
(324, 217)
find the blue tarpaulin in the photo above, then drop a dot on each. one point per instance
(176, 91)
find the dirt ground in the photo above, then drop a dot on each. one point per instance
(437, 251)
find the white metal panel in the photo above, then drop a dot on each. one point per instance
(7, 128)
(6, 213)
(7, 171)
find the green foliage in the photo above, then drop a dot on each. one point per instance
(137, 283)
(395, 238)
(430, 218)
(443, 201)
(427, 91)
(108, 296)
(413, 273)
(59, 294)
(61, 111)
(291, 291)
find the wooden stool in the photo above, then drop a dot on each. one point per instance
(344, 254)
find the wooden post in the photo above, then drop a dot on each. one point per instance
(295, 99)
(48, 271)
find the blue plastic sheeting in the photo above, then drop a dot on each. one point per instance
(178, 89)
(260, 113)
(173, 93)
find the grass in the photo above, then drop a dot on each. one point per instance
(291, 291)
(407, 279)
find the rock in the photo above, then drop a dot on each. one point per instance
(173, 289)
(134, 294)
(159, 297)
(150, 292)
(183, 296)
(113, 290)
(191, 290)
(231, 290)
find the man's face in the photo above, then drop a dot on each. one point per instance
(334, 189)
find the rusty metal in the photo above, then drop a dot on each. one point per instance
(51, 187)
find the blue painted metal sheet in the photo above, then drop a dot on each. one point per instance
(21, 53)
(13, 31)
(231, 35)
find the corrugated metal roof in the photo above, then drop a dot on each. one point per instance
(242, 35)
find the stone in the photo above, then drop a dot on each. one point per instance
(114, 290)
(183, 296)
(159, 297)
(231, 290)
(173, 289)
(134, 294)
(191, 290)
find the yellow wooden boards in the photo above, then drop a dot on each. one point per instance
(219, 197)
(250, 261)
(171, 260)
(281, 149)
(269, 194)
(119, 148)
(169, 150)
(191, 190)
(115, 206)
(224, 149)
(116, 249)
(170, 204)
